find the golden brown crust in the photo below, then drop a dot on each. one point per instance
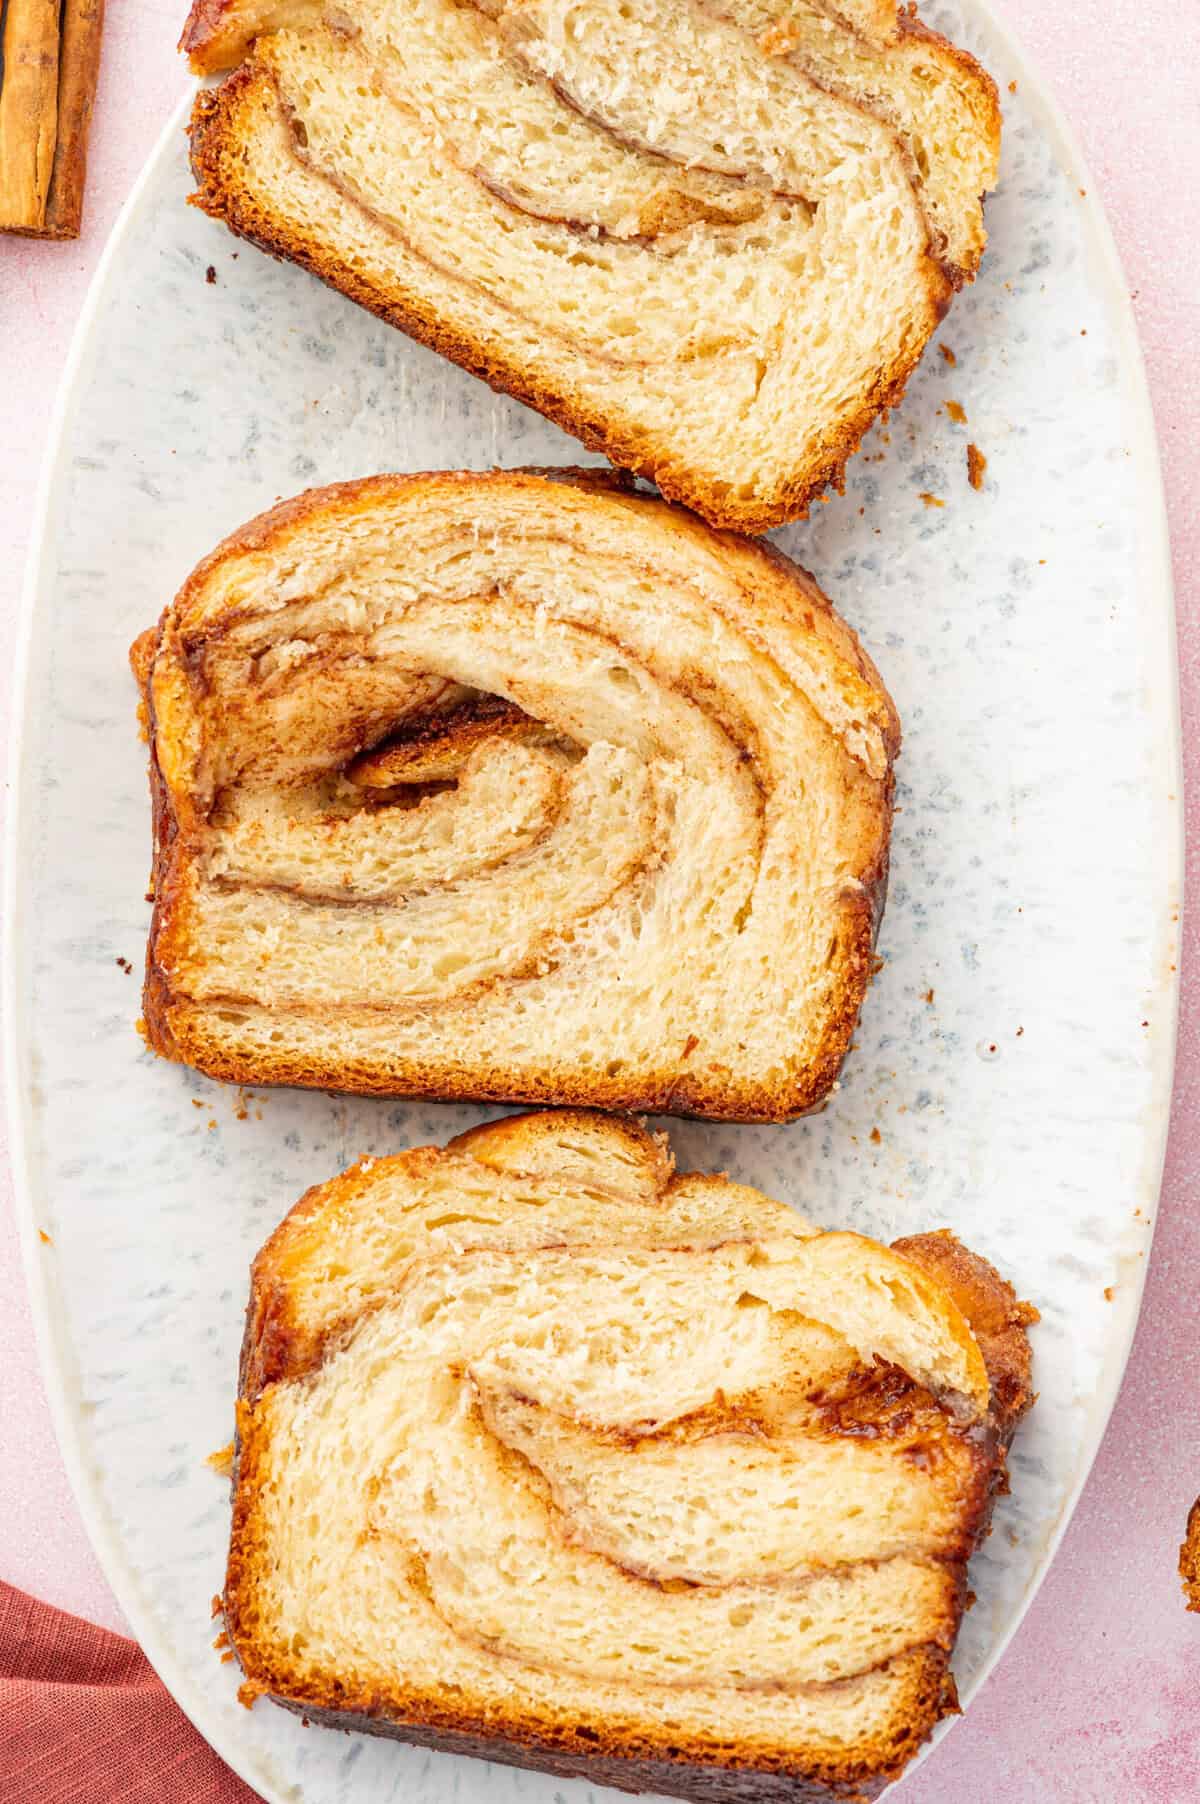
(178, 1028)
(200, 29)
(968, 67)
(997, 1317)
(141, 655)
(528, 1142)
(582, 1753)
(220, 172)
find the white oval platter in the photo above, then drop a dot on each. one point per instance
(1012, 1070)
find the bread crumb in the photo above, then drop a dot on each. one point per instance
(218, 1605)
(931, 500)
(1189, 1558)
(875, 1136)
(226, 1658)
(222, 1459)
(1012, 87)
(1109, 1293)
(125, 966)
(212, 1124)
(45, 1238)
(928, 996)
(197, 1103)
(222, 1640)
(957, 413)
(210, 275)
(948, 354)
(247, 1693)
(976, 466)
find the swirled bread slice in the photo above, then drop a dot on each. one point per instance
(709, 237)
(548, 1454)
(513, 788)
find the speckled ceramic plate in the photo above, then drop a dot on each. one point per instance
(1012, 1070)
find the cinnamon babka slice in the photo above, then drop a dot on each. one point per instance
(515, 788)
(711, 238)
(549, 1455)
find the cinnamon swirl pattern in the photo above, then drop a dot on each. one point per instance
(507, 787)
(550, 1454)
(709, 237)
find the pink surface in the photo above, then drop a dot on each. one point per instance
(1096, 1701)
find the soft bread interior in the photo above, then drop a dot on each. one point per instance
(649, 216)
(604, 1451)
(649, 871)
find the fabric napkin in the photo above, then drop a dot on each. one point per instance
(84, 1720)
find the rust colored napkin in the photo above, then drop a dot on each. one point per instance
(84, 1720)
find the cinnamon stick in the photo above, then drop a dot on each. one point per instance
(50, 53)
(28, 109)
(78, 67)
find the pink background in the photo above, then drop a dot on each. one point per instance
(1098, 1700)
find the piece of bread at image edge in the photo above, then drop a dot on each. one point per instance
(711, 238)
(552, 1456)
(516, 788)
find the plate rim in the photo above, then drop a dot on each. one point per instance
(1161, 678)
